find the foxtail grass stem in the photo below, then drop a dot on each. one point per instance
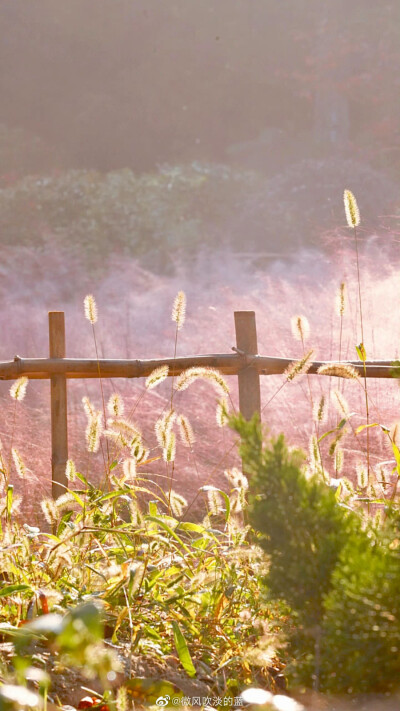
(106, 466)
(362, 341)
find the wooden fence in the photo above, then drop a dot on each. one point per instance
(244, 362)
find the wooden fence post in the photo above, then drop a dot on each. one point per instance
(58, 394)
(249, 379)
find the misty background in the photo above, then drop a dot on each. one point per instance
(161, 128)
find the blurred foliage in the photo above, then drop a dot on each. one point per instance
(95, 214)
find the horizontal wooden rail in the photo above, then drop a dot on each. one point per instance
(227, 363)
(244, 362)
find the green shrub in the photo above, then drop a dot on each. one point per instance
(93, 214)
(339, 577)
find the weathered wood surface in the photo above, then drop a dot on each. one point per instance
(58, 405)
(227, 363)
(248, 375)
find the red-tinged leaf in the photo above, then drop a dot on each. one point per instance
(43, 603)
(91, 702)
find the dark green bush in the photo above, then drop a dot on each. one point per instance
(339, 577)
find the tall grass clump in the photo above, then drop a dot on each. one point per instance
(126, 563)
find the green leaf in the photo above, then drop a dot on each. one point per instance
(188, 526)
(364, 427)
(227, 504)
(153, 508)
(361, 352)
(77, 498)
(9, 498)
(326, 434)
(81, 626)
(82, 479)
(169, 530)
(183, 650)
(10, 589)
(396, 453)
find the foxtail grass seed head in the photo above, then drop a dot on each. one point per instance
(18, 389)
(319, 410)
(122, 701)
(119, 439)
(50, 510)
(222, 412)
(136, 516)
(115, 406)
(177, 503)
(300, 328)
(339, 370)
(20, 467)
(129, 469)
(339, 458)
(382, 475)
(185, 431)
(124, 425)
(90, 308)
(334, 443)
(170, 448)
(179, 310)
(298, 367)
(379, 517)
(315, 456)
(237, 478)
(214, 499)
(191, 374)
(240, 485)
(163, 427)
(341, 299)
(351, 209)
(94, 432)
(65, 501)
(362, 475)
(70, 470)
(237, 500)
(88, 407)
(139, 452)
(347, 487)
(157, 377)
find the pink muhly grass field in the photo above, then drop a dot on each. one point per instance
(135, 321)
